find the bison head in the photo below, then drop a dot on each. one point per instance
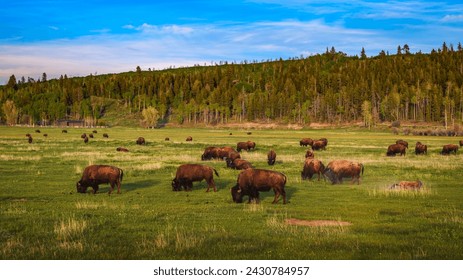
(176, 185)
(236, 193)
(80, 188)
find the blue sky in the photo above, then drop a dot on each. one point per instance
(79, 38)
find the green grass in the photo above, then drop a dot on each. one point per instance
(42, 216)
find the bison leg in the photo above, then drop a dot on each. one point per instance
(211, 183)
(95, 188)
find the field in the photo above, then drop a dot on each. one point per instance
(43, 217)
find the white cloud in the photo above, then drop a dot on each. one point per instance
(453, 18)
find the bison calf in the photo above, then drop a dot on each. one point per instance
(189, 173)
(271, 157)
(407, 185)
(100, 174)
(252, 181)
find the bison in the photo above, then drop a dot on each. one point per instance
(86, 140)
(311, 167)
(95, 131)
(450, 148)
(210, 153)
(100, 174)
(420, 148)
(407, 185)
(167, 139)
(245, 146)
(319, 145)
(402, 142)
(105, 135)
(122, 149)
(252, 181)
(189, 139)
(461, 143)
(83, 135)
(90, 135)
(64, 131)
(309, 154)
(305, 142)
(140, 141)
(394, 149)
(29, 139)
(271, 157)
(338, 169)
(239, 164)
(189, 173)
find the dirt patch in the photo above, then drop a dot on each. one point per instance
(316, 223)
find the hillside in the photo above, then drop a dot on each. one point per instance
(326, 88)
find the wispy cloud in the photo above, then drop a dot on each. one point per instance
(453, 18)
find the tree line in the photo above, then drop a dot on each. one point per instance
(331, 88)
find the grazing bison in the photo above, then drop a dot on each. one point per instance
(189, 138)
(105, 135)
(420, 148)
(83, 135)
(245, 146)
(311, 167)
(29, 139)
(86, 140)
(28, 135)
(140, 141)
(122, 149)
(239, 164)
(248, 133)
(450, 148)
(100, 174)
(271, 157)
(37, 130)
(64, 131)
(45, 135)
(338, 169)
(305, 142)
(90, 135)
(167, 139)
(189, 173)
(461, 143)
(402, 142)
(324, 140)
(309, 154)
(95, 131)
(252, 181)
(319, 145)
(407, 185)
(210, 153)
(394, 149)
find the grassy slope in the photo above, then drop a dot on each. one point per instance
(43, 217)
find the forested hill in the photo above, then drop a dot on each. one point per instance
(330, 87)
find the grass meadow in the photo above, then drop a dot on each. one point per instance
(42, 216)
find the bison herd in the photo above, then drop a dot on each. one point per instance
(251, 181)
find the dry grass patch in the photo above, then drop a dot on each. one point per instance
(70, 234)
(317, 223)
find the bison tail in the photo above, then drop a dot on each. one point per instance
(121, 174)
(361, 165)
(215, 171)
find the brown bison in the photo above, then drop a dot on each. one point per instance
(210, 153)
(402, 142)
(140, 141)
(90, 135)
(450, 148)
(319, 145)
(64, 131)
(461, 143)
(105, 135)
(305, 142)
(95, 131)
(37, 130)
(309, 154)
(167, 139)
(29, 139)
(324, 140)
(271, 157)
(86, 140)
(189, 139)
(122, 149)
(239, 164)
(394, 149)
(252, 181)
(100, 174)
(219, 153)
(420, 148)
(83, 135)
(311, 167)
(245, 146)
(338, 169)
(189, 173)
(407, 185)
